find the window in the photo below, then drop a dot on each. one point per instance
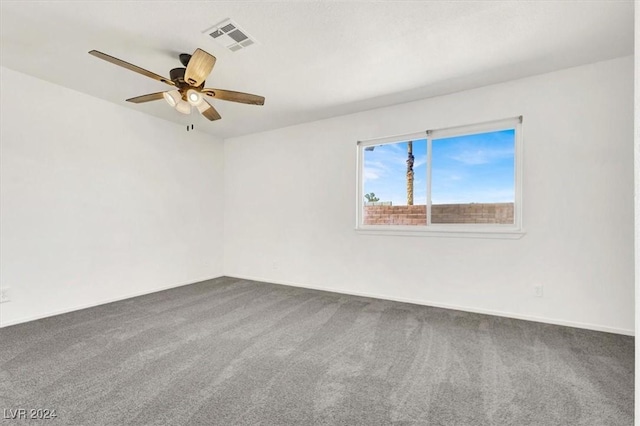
(463, 180)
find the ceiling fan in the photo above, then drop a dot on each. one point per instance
(188, 85)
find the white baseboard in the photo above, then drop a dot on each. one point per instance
(104, 302)
(553, 321)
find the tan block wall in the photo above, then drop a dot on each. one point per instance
(440, 213)
(395, 215)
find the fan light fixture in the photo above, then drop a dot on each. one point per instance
(172, 97)
(193, 97)
(183, 107)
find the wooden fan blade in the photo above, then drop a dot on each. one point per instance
(209, 111)
(230, 95)
(146, 98)
(131, 67)
(199, 67)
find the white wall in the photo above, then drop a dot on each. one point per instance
(290, 205)
(637, 198)
(99, 202)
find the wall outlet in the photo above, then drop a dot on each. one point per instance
(5, 296)
(538, 290)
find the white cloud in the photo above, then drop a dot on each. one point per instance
(481, 156)
(419, 162)
(374, 170)
(370, 173)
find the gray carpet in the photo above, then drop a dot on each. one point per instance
(237, 352)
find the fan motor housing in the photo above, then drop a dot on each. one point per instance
(177, 74)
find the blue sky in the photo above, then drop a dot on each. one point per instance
(472, 168)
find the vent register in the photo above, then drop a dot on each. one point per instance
(230, 35)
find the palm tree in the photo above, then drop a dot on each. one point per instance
(410, 173)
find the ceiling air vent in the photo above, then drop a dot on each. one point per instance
(230, 35)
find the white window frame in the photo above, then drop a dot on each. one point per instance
(511, 231)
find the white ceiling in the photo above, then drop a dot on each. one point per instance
(313, 60)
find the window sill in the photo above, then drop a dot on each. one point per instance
(507, 233)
